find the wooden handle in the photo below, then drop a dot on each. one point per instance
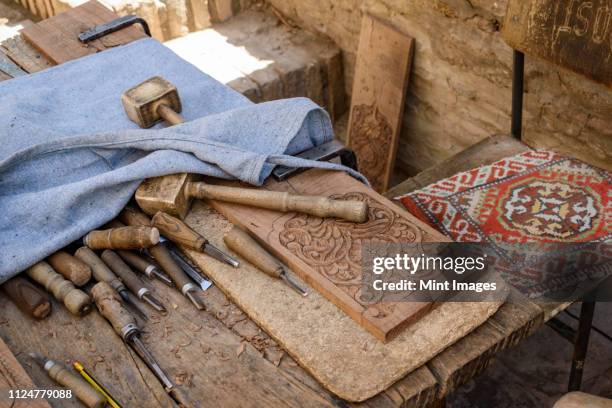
(123, 271)
(27, 297)
(160, 253)
(162, 256)
(241, 243)
(135, 217)
(355, 211)
(75, 300)
(177, 231)
(82, 390)
(169, 115)
(122, 238)
(71, 268)
(100, 271)
(109, 305)
(137, 262)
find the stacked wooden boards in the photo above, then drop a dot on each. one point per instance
(57, 37)
(383, 66)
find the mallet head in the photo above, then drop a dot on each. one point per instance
(166, 194)
(141, 102)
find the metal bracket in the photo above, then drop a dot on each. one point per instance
(324, 152)
(117, 24)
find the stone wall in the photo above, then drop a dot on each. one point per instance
(460, 85)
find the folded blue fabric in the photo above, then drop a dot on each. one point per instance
(70, 159)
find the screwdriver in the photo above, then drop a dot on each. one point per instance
(125, 326)
(143, 265)
(179, 232)
(240, 242)
(131, 280)
(161, 254)
(102, 273)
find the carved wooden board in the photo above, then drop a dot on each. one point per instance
(327, 253)
(57, 37)
(383, 65)
(14, 377)
(575, 34)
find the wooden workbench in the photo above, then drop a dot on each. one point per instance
(222, 357)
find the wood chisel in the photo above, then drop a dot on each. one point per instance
(27, 297)
(189, 270)
(71, 268)
(162, 256)
(60, 374)
(75, 300)
(102, 273)
(240, 242)
(179, 232)
(144, 265)
(131, 280)
(125, 326)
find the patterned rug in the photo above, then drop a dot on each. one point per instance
(534, 197)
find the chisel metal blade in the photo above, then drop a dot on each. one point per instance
(189, 270)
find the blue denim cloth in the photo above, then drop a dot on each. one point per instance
(70, 159)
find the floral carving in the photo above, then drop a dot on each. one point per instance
(333, 247)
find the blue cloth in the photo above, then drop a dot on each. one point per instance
(70, 159)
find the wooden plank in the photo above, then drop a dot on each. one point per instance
(383, 65)
(17, 49)
(327, 254)
(57, 37)
(487, 151)
(574, 34)
(13, 377)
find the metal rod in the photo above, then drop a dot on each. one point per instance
(580, 346)
(292, 284)
(518, 87)
(216, 253)
(130, 300)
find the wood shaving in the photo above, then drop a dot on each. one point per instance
(240, 349)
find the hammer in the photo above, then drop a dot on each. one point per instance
(157, 99)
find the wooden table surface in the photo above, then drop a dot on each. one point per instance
(222, 357)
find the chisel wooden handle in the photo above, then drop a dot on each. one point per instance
(160, 253)
(177, 231)
(122, 238)
(71, 268)
(241, 243)
(137, 262)
(75, 300)
(134, 217)
(82, 390)
(123, 271)
(100, 271)
(27, 297)
(319, 206)
(109, 305)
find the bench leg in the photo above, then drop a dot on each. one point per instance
(580, 345)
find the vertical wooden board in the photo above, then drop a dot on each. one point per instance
(383, 65)
(13, 377)
(327, 253)
(57, 37)
(575, 34)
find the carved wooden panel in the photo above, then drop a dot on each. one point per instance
(575, 34)
(381, 78)
(326, 253)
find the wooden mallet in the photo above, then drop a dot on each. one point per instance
(157, 99)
